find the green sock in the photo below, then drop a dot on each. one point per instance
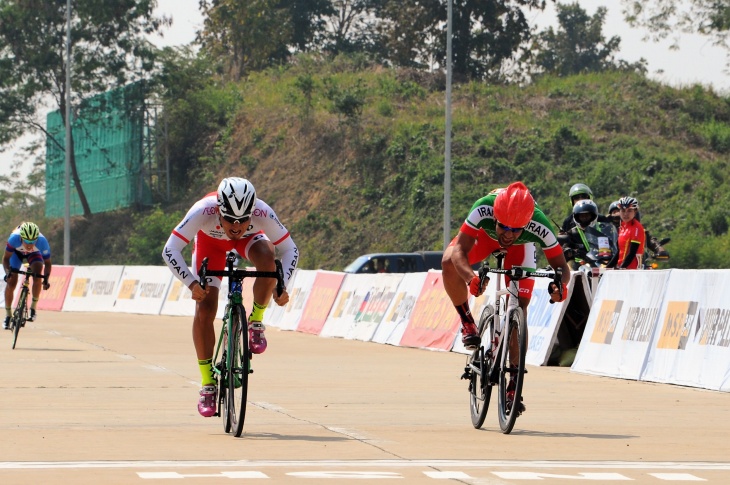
(34, 304)
(206, 371)
(257, 315)
(8, 312)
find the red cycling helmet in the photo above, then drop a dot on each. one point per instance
(514, 206)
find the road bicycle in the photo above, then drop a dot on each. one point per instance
(20, 314)
(232, 356)
(488, 365)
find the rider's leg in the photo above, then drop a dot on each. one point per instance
(204, 333)
(261, 254)
(36, 268)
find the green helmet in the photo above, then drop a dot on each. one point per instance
(29, 231)
(580, 189)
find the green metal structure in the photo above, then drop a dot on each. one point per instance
(113, 153)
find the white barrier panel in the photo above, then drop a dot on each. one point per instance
(543, 318)
(2, 287)
(93, 289)
(691, 346)
(142, 289)
(288, 316)
(398, 314)
(621, 323)
(360, 305)
(178, 301)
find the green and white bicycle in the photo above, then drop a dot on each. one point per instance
(232, 358)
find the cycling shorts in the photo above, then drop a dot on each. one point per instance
(216, 251)
(16, 260)
(520, 255)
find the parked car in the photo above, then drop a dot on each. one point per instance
(396, 262)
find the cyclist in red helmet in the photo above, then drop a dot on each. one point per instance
(505, 219)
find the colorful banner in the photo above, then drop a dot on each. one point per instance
(324, 291)
(288, 316)
(398, 314)
(52, 298)
(434, 322)
(691, 346)
(621, 324)
(93, 288)
(360, 305)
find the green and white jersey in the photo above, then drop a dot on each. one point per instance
(540, 230)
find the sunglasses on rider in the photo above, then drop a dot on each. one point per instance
(30, 241)
(510, 229)
(234, 220)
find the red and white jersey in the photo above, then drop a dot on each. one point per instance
(203, 218)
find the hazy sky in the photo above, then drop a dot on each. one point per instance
(697, 60)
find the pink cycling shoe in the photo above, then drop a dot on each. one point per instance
(257, 339)
(206, 403)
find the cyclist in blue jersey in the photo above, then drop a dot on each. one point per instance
(26, 243)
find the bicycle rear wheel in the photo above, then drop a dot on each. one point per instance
(238, 371)
(479, 365)
(509, 410)
(19, 315)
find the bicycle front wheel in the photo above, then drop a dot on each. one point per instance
(479, 364)
(238, 371)
(19, 315)
(510, 400)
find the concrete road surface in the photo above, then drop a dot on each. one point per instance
(104, 398)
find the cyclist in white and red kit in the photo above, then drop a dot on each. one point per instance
(232, 218)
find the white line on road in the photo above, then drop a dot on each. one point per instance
(612, 465)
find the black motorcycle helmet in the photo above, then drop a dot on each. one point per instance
(585, 213)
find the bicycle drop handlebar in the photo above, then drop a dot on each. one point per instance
(516, 274)
(29, 273)
(240, 274)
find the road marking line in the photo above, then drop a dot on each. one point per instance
(610, 465)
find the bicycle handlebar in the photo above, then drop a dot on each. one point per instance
(34, 275)
(516, 274)
(240, 274)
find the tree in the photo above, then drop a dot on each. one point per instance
(255, 34)
(486, 33)
(578, 45)
(108, 47)
(671, 17)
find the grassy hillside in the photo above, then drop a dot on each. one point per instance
(351, 158)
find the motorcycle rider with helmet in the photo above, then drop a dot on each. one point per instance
(590, 241)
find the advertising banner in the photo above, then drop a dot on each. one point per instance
(398, 313)
(142, 289)
(691, 346)
(323, 294)
(544, 318)
(288, 316)
(360, 305)
(621, 324)
(52, 298)
(434, 322)
(93, 289)
(178, 301)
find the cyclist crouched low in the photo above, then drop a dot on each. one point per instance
(232, 218)
(505, 219)
(26, 243)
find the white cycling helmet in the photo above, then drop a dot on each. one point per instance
(236, 197)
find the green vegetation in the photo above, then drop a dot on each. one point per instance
(351, 158)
